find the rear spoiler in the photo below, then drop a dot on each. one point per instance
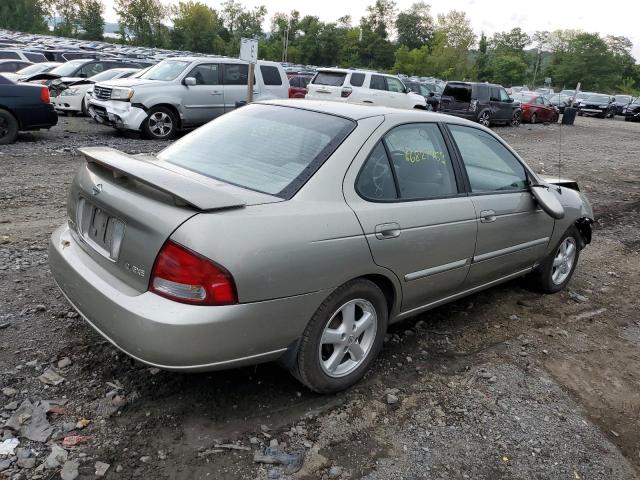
(185, 190)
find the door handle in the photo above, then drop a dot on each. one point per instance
(487, 216)
(216, 92)
(387, 230)
(367, 101)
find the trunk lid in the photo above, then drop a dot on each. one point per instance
(122, 208)
(327, 85)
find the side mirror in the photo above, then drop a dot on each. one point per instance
(510, 100)
(189, 81)
(407, 90)
(431, 94)
(548, 201)
(82, 75)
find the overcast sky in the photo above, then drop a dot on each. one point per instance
(615, 17)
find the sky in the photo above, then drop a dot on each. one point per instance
(617, 17)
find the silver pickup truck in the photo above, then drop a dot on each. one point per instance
(182, 93)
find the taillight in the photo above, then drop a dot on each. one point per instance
(346, 91)
(44, 95)
(184, 276)
(291, 92)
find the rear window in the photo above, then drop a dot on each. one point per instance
(267, 148)
(357, 79)
(458, 91)
(331, 79)
(10, 55)
(270, 75)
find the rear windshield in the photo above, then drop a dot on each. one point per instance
(267, 148)
(332, 79)
(459, 91)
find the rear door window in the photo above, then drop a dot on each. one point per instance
(483, 93)
(35, 57)
(357, 79)
(330, 79)
(375, 181)
(489, 165)
(495, 94)
(377, 82)
(236, 74)
(9, 55)
(270, 75)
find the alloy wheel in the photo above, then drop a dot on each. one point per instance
(533, 118)
(516, 119)
(160, 124)
(484, 119)
(347, 338)
(563, 260)
(4, 127)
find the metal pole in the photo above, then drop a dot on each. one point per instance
(250, 83)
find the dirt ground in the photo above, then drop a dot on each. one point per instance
(505, 384)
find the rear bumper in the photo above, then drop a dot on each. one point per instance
(121, 115)
(67, 103)
(34, 117)
(171, 335)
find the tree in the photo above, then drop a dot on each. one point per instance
(509, 69)
(90, 19)
(67, 14)
(381, 17)
(483, 70)
(141, 22)
(24, 15)
(510, 43)
(196, 27)
(415, 26)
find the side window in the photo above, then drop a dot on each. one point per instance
(270, 75)
(489, 165)
(483, 93)
(236, 74)
(10, 55)
(7, 67)
(375, 181)
(377, 82)
(205, 74)
(34, 57)
(395, 85)
(421, 161)
(357, 79)
(504, 96)
(546, 101)
(91, 69)
(539, 101)
(495, 94)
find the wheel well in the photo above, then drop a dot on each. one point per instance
(2, 107)
(387, 288)
(173, 109)
(420, 107)
(584, 228)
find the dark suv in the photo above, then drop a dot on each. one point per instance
(484, 103)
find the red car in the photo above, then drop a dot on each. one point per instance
(298, 85)
(536, 108)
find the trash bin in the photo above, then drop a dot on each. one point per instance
(569, 115)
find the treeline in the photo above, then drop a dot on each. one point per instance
(411, 41)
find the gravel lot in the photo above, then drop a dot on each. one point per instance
(505, 384)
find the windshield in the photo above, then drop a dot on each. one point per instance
(598, 98)
(68, 68)
(35, 68)
(166, 70)
(524, 97)
(267, 148)
(623, 98)
(106, 75)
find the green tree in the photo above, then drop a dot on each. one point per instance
(141, 22)
(415, 26)
(512, 42)
(67, 17)
(196, 27)
(90, 19)
(24, 15)
(509, 69)
(375, 50)
(483, 69)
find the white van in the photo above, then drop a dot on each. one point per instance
(362, 87)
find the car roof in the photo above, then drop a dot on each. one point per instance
(360, 112)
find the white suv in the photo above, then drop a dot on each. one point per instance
(362, 87)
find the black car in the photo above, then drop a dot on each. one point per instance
(484, 103)
(23, 107)
(433, 100)
(559, 101)
(632, 111)
(621, 102)
(83, 68)
(597, 105)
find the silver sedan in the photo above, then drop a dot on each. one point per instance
(298, 231)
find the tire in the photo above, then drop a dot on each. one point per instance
(325, 366)
(83, 108)
(160, 124)
(516, 119)
(534, 118)
(550, 278)
(8, 127)
(484, 119)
